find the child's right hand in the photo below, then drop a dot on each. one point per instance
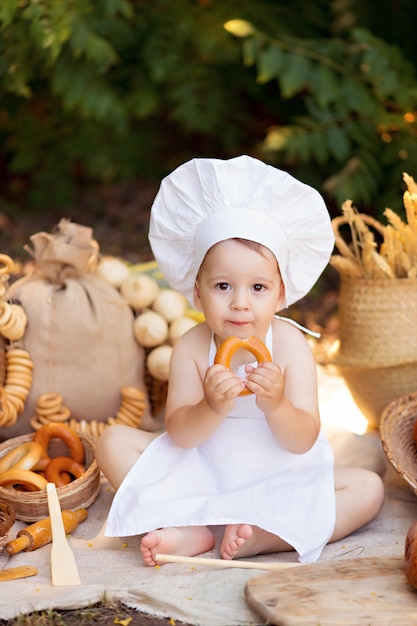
(221, 387)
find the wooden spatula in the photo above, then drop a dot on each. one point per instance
(63, 565)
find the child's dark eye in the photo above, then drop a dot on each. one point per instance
(222, 286)
(258, 287)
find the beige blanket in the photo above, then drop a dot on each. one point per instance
(199, 594)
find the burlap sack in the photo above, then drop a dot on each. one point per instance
(79, 332)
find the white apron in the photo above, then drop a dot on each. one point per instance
(240, 475)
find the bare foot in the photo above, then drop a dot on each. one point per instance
(185, 541)
(243, 540)
(235, 536)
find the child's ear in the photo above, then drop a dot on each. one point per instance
(197, 301)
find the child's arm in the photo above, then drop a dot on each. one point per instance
(287, 392)
(198, 398)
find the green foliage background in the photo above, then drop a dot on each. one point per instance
(97, 92)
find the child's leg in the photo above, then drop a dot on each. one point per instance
(184, 541)
(359, 498)
(118, 449)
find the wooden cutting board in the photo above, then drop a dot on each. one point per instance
(371, 591)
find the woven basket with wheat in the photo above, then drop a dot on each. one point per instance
(376, 352)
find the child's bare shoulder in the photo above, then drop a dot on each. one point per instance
(198, 333)
(284, 328)
(190, 352)
(289, 342)
(195, 342)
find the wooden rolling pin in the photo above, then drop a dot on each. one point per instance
(39, 534)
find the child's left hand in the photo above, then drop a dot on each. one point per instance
(267, 383)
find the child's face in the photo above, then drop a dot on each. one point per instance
(239, 289)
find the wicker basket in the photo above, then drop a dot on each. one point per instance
(376, 322)
(377, 353)
(396, 428)
(30, 506)
(373, 388)
(7, 519)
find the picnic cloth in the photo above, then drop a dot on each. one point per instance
(199, 594)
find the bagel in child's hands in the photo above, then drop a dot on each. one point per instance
(252, 344)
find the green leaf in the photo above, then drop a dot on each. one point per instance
(298, 145)
(337, 142)
(294, 75)
(324, 85)
(319, 150)
(357, 97)
(84, 42)
(250, 51)
(8, 11)
(271, 62)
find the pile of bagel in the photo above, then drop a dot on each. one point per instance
(16, 370)
(29, 467)
(50, 408)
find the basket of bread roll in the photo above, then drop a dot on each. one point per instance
(54, 453)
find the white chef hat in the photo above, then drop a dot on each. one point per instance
(205, 201)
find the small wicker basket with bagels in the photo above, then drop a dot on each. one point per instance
(54, 453)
